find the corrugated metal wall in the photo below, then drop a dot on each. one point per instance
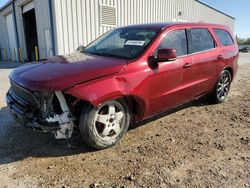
(78, 21)
(42, 22)
(4, 42)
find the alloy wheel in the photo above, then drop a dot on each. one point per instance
(223, 86)
(109, 120)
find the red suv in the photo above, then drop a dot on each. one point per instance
(128, 74)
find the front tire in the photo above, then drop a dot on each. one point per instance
(104, 126)
(222, 87)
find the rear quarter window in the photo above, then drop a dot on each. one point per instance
(224, 37)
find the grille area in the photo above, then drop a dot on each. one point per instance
(22, 103)
(23, 93)
(32, 109)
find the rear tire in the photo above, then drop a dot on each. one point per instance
(104, 126)
(222, 87)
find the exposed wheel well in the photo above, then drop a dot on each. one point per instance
(230, 70)
(135, 106)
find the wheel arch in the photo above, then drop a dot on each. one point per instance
(97, 92)
(136, 106)
(231, 72)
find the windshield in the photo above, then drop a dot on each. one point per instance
(124, 43)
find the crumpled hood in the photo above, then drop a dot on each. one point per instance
(61, 72)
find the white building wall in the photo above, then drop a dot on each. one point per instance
(11, 36)
(4, 41)
(42, 24)
(42, 21)
(77, 22)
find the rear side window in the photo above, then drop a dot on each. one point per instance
(175, 40)
(200, 40)
(224, 37)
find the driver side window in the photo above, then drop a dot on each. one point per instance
(175, 40)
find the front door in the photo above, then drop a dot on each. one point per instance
(165, 81)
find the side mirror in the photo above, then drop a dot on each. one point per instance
(166, 55)
(80, 49)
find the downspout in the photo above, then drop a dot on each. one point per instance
(16, 32)
(52, 26)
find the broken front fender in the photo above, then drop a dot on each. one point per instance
(129, 83)
(101, 90)
(106, 89)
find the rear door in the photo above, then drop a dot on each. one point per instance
(199, 77)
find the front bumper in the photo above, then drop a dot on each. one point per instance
(26, 108)
(17, 107)
(26, 114)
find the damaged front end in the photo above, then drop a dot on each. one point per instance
(45, 111)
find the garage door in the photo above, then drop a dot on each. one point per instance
(11, 36)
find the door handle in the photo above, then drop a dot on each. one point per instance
(187, 65)
(220, 57)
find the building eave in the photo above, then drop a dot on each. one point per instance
(6, 5)
(214, 9)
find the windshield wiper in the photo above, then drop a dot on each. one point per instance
(107, 55)
(96, 53)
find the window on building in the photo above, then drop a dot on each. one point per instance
(200, 40)
(224, 37)
(175, 40)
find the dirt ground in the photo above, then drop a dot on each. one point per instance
(198, 145)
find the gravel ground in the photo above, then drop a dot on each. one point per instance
(197, 145)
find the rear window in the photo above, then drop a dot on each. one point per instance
(224, 37)
(201, 40)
